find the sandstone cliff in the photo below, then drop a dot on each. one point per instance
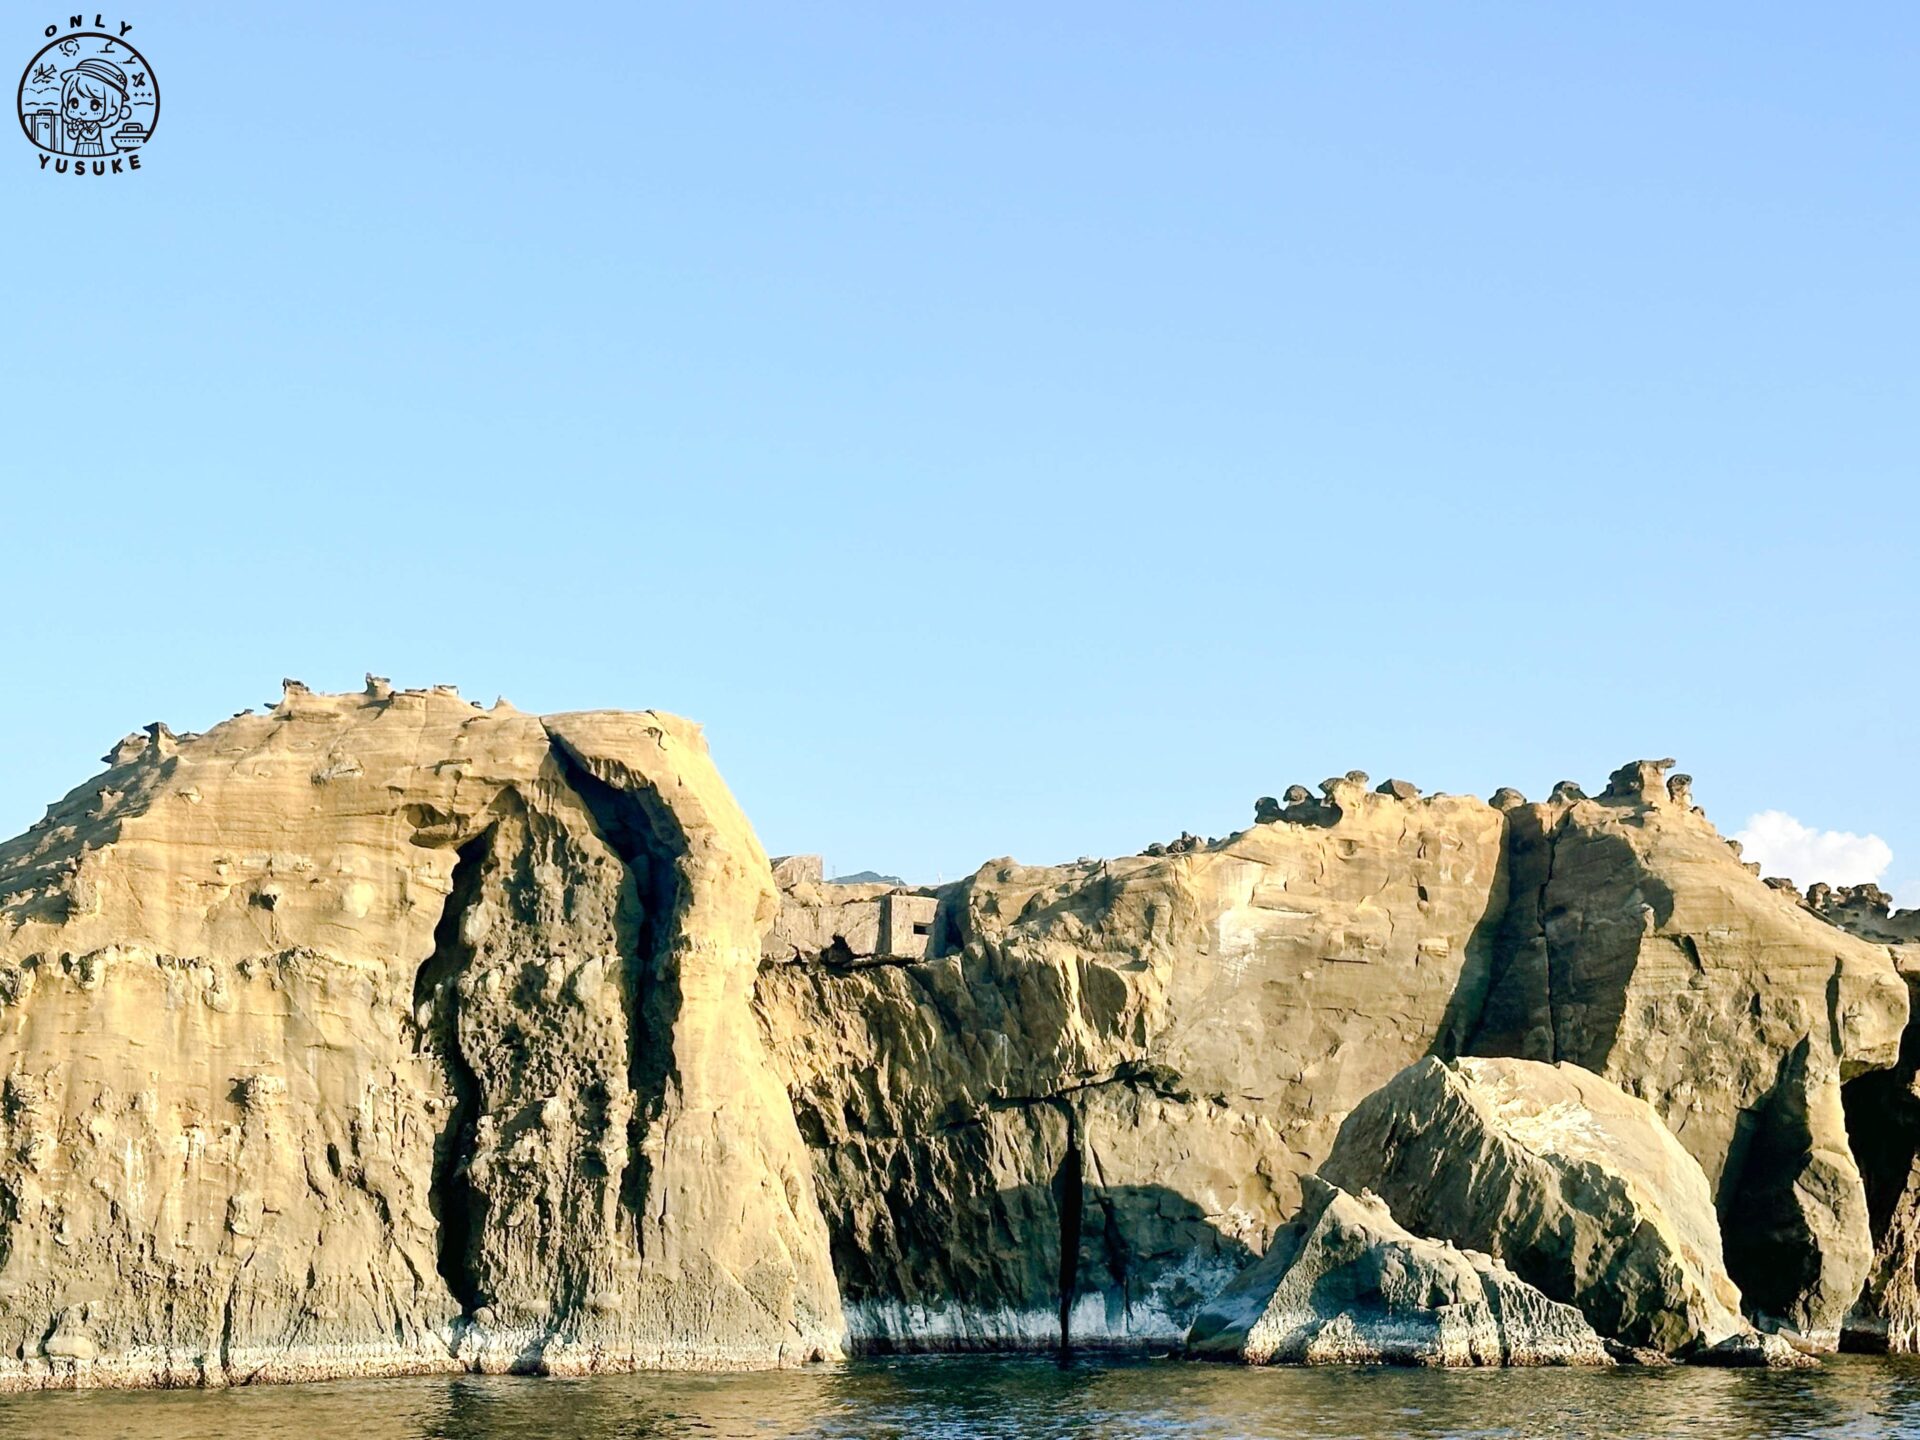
(383, 1033)
(1100, 1092)
(1094, 1095)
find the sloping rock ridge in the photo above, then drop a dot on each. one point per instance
(384, 1033)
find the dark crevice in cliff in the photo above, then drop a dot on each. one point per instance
(1157, 1080)
(1883, 1130)
(647, 838)
(226, 1333)
(1770, 1253)
(1511, 1012)
(1546, 941)
(1069, 1188)
(454, 1202)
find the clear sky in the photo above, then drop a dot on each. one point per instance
(1010, 428)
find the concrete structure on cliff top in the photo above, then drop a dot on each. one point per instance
(384, 1033)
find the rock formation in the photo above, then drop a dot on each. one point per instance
(1131, 1063)
(1092, 1101)
(1883, 1128)
(1639, 947)
(383, 1033)
(1342, 1283)
(1572, 1182)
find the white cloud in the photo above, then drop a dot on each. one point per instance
(1784, 846)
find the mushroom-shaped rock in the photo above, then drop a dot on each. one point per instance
(379, 687)
(1344, 1283)
(1643, 780)
(1400, 789)
(1266, 810)
(1358, 777)
(1507, 798)
(1567, 792)
(1298, 795)
(1574, 1183)
(1680, 789)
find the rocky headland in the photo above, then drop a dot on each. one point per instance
(383, 1033)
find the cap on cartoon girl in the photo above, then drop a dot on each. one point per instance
(93, 95)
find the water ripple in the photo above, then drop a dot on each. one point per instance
(967, 1399)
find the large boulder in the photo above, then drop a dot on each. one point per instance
(1575, 1184)
(1638, 946)
(1342, 1282)
(384, 1033)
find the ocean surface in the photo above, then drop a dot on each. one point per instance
(949, 1398)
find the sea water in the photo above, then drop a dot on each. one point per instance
(954, 1398)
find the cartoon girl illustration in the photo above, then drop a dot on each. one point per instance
(92, 100)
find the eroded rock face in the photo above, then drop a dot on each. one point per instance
(1343, 1283)
(1128, 1064)
(385, 1033)
(1639, 947)
(1883, 1127)
(1188, 1028)
(1574, 1183)
(382, 1033)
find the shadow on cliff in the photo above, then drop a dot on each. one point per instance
(457, 1208)
(1553, 958)
(644, 832)
(1146, 1252)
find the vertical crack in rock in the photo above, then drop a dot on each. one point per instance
(647, 838)
(1883, 1130)
(1513, 1012)
(1770, 1253)
(1546, 940)
(1069, 1186)
(455, 1204)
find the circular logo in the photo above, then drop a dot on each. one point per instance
(89, 95)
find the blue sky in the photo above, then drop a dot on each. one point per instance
(1010, 429)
